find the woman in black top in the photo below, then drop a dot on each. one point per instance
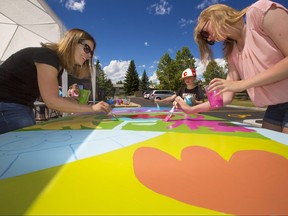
(35, 71)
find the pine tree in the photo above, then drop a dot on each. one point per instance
(144, 83)
(131, 81)
(110, 90)
(104, 86)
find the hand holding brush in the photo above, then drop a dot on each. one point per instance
(170, 114)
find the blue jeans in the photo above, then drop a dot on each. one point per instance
(14, 116)
(277, 114)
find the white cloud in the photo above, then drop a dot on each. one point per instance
(151, 67)
(200, 68)
(183, 22)
(116, 70)
(170, 50)
(146, 44)
(154, 78)
(161, 8)
(221, 62)
(142, 66)
(207, 3)
(77, 5)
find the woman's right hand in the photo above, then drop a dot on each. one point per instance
(101, 107)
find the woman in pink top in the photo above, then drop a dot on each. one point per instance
(256, 48)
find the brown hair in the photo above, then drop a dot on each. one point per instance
(66, 50)
(222, 18)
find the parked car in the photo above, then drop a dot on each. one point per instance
(160, 94)
(146, 94)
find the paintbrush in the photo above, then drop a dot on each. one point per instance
(115, 116)
(158, 107)
(111, 113)
(169, 114)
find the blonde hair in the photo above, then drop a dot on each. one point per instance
(66, 50)
(223, 18)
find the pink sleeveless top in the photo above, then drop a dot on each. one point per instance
(259, 54)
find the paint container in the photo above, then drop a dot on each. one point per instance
(84, 96)
(216, 101)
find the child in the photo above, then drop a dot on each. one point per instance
(192, 94)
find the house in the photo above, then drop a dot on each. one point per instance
(119, 89)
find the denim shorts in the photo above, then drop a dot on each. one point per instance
(277, 115)
(14, 116)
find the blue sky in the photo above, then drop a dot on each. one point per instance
(139, 30)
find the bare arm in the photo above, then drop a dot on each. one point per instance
(48, 86)
(205, 107)
(197, 101)
(273, 25)
(165, 100)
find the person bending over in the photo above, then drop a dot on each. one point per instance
(256, 49)
(36, 71)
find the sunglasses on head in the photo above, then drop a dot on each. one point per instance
(86, 48)
(205, 35)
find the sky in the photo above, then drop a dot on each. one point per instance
(140, 30)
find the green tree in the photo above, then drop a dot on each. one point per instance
(100, 82)
(169, 71)
(184, 59)
(213, 70)
(109, 90)
(131, 82)
(165, 72)
(144, 82)
(104, 86)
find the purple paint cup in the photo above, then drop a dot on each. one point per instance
(216, 101)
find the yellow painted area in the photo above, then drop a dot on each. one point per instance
(106, 184)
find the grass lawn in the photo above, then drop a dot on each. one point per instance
(241, 102)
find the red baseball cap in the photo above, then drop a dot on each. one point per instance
(188, 73)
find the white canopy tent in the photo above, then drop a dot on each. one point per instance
(27, 23)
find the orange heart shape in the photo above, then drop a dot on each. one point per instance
(251, 182)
